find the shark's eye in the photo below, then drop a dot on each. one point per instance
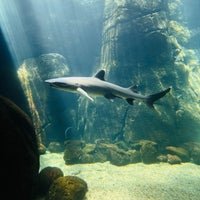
(77, 84)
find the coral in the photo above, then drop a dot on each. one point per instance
(67, 188)
(46, 177)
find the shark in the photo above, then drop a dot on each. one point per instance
(97, 86)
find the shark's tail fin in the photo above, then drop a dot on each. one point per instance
(154, 97)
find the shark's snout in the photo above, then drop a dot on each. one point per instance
(49, 81)
(56, 83)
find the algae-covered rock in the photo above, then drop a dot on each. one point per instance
(32, 74)
(173, 159)
(194, 150)
(102, 151)
(19, 152)
(89, 148)
(179, 151)
(73, 155)
(46, 178)
(89, 154)
(134, 156)
(73, 151)
(67, 188)
(162, 158)
(148, 152)
(118, 157)
(55, 147)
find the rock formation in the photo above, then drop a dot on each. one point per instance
(144, 43)
(42, 102)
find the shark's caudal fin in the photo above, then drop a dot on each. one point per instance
(154, 97)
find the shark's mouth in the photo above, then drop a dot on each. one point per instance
(58, 85)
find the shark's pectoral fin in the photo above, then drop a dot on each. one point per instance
(130, 101)
(83, 92)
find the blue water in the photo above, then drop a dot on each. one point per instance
(78, 31)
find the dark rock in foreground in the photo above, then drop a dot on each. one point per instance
(19, 150)
(46, 177)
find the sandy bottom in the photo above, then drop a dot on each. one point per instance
(134, 181)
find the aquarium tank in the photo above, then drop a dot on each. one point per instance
(100, 99)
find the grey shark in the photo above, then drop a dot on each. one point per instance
(97, 86)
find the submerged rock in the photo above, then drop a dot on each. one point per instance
(73, 155)
(67, 188)
(73, 151)
(134, 156)
(55, 147)
(173, 159)
(149, 152)
(194, 151)
(162, 158)
(46, 178)
(100, 152)
(180, 152)
(118, 157)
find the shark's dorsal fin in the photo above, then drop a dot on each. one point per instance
(100, 75)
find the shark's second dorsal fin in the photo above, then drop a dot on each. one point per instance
(133, 88)
(100, 75)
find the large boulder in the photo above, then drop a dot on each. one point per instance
(67, 187)
(46, 177)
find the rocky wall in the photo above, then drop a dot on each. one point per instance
(144, 43)
(44, 102)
